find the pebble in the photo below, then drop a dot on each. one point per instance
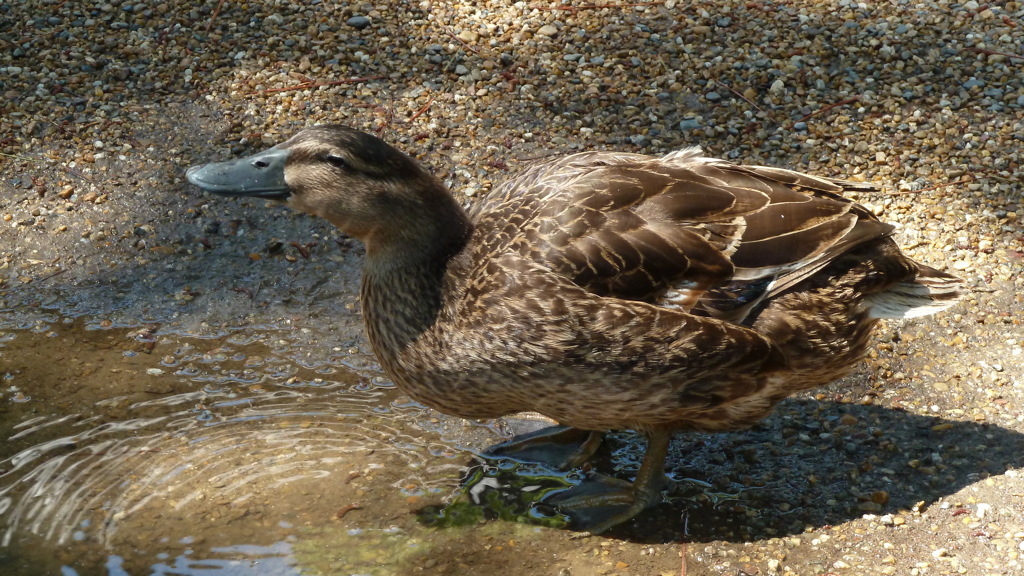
(358, 22)
(689, 123)
(547, 30)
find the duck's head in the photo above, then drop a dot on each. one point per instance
(359, 183)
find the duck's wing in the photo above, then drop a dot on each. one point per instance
(681, 231)
(806, 225)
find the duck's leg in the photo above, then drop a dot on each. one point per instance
(602, 502)
(560, 447)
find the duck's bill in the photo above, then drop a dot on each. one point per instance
(260, 175)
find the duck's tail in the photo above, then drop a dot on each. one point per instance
(928, 292)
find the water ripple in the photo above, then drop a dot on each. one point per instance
(223, 438)
(220, 442)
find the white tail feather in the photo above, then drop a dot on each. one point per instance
(931, 292)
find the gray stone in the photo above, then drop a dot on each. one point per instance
(689, 124)
(358, 22)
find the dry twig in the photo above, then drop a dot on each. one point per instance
(314, 84)
(737, 93)
(345, 510)
(682, 543)
(421, 110)
(461, 41)
(829, 107)
(216, 12)
(988, 52)
(595, 6)
(936, 187)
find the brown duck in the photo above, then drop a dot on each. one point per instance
(604, 290)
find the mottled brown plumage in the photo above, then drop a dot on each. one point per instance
(605, 290)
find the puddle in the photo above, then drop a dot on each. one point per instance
(139, 449)
(267, 449)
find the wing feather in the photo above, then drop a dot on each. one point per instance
(682, 231)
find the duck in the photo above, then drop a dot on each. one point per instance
(604, 290)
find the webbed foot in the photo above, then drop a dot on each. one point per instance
(601, 502)
(560, 447)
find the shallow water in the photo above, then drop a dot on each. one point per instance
(142, 449)
(271, 444)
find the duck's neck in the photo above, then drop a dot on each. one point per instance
(404, 276)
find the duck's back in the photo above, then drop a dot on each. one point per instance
(695, 234)
(781, 252)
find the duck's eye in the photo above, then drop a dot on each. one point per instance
(336, 161)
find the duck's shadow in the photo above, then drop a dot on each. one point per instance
(811, 464)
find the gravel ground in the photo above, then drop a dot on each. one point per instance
(908, 467)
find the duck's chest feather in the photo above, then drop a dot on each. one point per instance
(516, 337)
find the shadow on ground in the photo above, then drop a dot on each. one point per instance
(811, 465)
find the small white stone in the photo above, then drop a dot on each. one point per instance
(982, 509)
(547, 30)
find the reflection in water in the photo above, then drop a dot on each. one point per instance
(505, 489)
(237, 561)
(191, 474)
